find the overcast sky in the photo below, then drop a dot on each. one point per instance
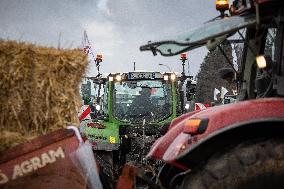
(116, 28)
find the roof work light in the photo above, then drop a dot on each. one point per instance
(261, 62)
(173, 77)
(118, 77)
(166, 77)
(110, 78)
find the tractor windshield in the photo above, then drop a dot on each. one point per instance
(134, 101)
(200, 36)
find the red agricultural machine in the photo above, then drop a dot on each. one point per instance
(238, 145)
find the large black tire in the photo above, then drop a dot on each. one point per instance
(255, 164)
(105, 159)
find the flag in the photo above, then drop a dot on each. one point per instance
(87, 47)
(216, 92)
(224, 91)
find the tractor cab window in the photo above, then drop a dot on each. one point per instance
(263, 81)
(134, 101)
(269, 49)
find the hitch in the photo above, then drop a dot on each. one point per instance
(130, 172)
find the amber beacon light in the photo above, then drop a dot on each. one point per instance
(183, 56)
(222, 5)
(99, 58)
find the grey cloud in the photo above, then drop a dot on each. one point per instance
(116, 28)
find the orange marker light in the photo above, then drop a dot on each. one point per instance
(195, 126)
(193, 123)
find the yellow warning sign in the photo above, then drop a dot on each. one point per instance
(112, 139)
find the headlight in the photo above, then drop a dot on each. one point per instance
(166, 77)
(110, 78)
(261, 62)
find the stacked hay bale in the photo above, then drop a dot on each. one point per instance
(39, 90)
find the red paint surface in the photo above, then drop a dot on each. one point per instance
(264, 1)
(219, 117)
(63, 166)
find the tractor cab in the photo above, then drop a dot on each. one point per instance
(139, 96)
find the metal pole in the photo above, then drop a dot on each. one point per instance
(183, 69)
(182, 81)
(134, 66)
(188, 68)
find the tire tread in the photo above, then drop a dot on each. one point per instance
(231, 167)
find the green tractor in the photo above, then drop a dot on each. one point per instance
(132, 110)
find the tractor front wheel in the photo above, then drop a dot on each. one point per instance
(105, 160)
(255, 164)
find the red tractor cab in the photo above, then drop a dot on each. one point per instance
(238, 145)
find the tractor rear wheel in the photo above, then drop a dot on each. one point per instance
(255, 164)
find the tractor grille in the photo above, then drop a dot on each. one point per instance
(149, 129)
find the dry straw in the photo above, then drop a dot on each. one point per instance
(39, 90)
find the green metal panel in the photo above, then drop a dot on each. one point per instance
(110, 134)
(110, 101)
(174, 100)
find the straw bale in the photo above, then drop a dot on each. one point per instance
(39, 90)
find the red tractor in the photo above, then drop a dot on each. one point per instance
(238, 145)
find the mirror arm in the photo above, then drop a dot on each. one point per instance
(246, 43)
(227, 58)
